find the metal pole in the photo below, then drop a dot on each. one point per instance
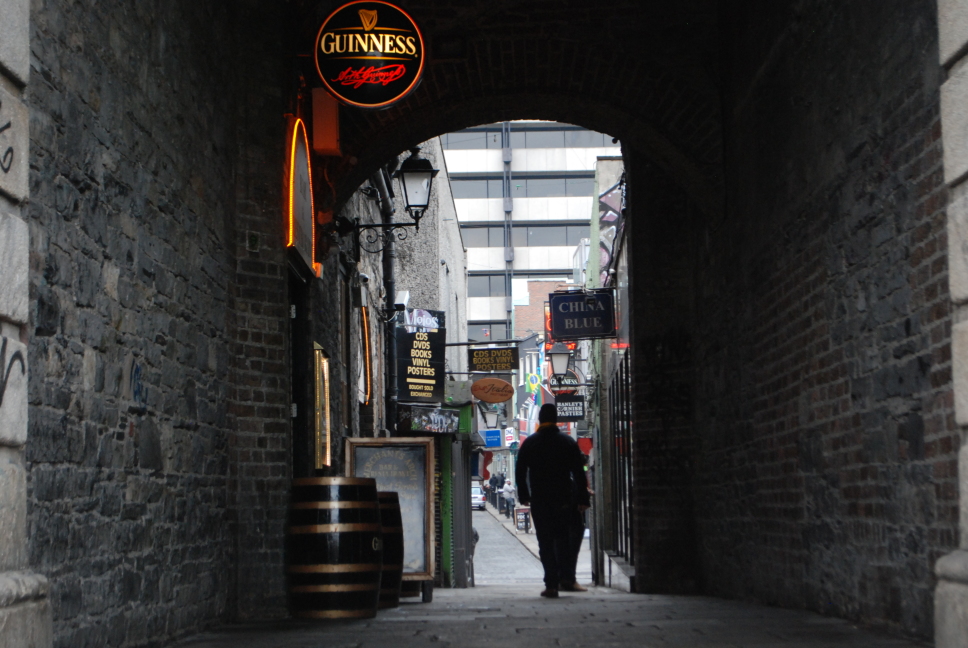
(390, 288)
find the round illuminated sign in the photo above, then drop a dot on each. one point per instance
(369, 54)
(492, 390)
(567, 384)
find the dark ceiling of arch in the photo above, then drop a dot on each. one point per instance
(645, 72)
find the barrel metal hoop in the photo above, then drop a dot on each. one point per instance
(334, 481)
(334, 614)
(333, 505)
(333, 528)
(332, 569)
(309, 589)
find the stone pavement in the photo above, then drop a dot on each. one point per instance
(504, 610)
(583, 572)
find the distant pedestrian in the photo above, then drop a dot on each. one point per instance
(509, 494)
(551, 478)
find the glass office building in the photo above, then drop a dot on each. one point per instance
(524, 197)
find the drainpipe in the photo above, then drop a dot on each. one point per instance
(378, 180)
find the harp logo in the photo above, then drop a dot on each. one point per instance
(368, 18)
(369, 54)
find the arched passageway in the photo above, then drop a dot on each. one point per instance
(791, 324)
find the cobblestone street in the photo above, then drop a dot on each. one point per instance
(505, 610)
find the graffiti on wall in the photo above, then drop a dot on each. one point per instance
(611, 222)
(6, 368)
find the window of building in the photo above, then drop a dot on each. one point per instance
(576, 233)
(579, 186)
(475, 237)
(486, 331)
(483, 236)
(547, 235)
(545, 187)
(478, 188)
(468, 188)
(464, 140)
(549, 187)
(545, 139)
(478, 286)
(486, 286)
(583, 139)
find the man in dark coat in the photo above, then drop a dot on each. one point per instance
(551, 479)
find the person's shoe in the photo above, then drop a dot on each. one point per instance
(550, 592)
(573, 587)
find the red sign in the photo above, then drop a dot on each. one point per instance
(369, 54)
(492, 390)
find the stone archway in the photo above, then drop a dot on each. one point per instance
(951, 595)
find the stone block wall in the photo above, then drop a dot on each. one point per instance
(132, 234)
(828, 474)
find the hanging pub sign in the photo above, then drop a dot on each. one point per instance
(420, 364)
(414, 418)
(567, 384)
(493, 359)
(580, 315)
(570, 408)
(369, 54)
(299, 195)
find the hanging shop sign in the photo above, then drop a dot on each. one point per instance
(420, 365)
(299, 209)
(567, 384)
(570, 408)
(492, 390)
(493, 359)
(369, 54)
(414, 418)
(582, 315)
(492, 438)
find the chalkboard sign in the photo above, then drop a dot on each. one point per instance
(404, 465)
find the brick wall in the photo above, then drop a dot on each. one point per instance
(824, 406)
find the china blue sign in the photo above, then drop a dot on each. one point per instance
(582, 315)
(492, 438)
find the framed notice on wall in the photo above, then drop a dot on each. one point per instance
(404, 465)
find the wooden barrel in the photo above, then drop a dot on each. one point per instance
(334, 548)
(392, 525)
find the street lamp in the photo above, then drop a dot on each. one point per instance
(490, 415)
(416, 175)
(560, 355)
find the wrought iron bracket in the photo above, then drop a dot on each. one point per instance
(375, 237)
(372, 237)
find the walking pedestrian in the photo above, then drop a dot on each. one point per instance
(551, 479)
(509, 494)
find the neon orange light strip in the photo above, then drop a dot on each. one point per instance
(299, 128)
(366, 351)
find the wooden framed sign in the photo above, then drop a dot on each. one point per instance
(404, 465)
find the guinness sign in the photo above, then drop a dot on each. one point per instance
(369, 54)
